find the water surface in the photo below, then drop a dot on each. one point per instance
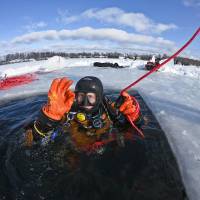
(143, 169)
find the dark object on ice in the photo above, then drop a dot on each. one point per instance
(10, 82)
(151, 65)
(107, 64)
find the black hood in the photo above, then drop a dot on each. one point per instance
(91, 84)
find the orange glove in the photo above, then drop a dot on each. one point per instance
(60, 99)
(128, 108)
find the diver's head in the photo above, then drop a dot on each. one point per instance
(89, 94)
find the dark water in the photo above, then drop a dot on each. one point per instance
(143, 169)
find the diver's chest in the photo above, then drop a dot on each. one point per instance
(89, 131)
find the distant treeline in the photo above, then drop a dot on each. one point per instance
(25, 57)
(186, 61)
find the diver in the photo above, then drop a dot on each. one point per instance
(89, 116)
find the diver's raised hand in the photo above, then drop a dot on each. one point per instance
(60, 98)
(128, 107)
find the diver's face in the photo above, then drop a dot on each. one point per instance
(86, 100)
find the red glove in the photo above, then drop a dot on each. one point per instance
(60, 99)
(128, 108)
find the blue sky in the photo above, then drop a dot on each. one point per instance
(160, 26)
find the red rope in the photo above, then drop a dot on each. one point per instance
(137, 111)
(153, 70)
(166, 61)
(91, 148)
(140, 133)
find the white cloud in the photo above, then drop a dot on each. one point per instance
(104, 47)
(35, 26)
(191, 2)
(35, 37)
(90, 39)
(63, 17)
(88, 46)
(88, 33)
(138, 21)
(3, 44)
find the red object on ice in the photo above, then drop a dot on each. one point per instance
(14, 81)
